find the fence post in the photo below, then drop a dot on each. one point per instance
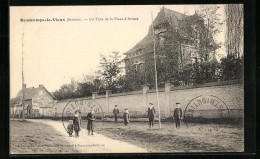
(94, 95)
(107, 99)
(167, 100)
(145, 89)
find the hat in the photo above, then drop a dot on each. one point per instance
(126, 108)
(178, 103)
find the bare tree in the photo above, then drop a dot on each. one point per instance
(235, 30)
(212, 18)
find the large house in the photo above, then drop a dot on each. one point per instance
(38, 100)
(175, 33)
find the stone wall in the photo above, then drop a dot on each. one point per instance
(231, 93)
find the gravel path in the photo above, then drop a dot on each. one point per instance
(93, 143)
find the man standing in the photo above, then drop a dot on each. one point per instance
(177, 115)
(91, 117)
(29, 110)
(151, 112)
(116, 112)
(126, 117)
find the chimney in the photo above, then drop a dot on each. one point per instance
(24, 86)
(41, 85)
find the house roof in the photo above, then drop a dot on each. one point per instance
(29, 93)
(169, 16)
(165, 15)
(174, 19)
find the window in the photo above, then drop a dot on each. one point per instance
(162, 38)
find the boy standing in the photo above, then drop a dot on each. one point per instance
(126, 117)
(70, 128)
(177, 115)
(76, 124)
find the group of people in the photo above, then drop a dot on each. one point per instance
(177, 115)
(75, 124)
(126, 115)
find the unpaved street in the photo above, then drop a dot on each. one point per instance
(93, 143)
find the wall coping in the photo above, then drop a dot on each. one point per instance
(67, 100)
(211, 84)
(126, 93)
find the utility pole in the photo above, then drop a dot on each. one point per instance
(22, 80)
(155, 69)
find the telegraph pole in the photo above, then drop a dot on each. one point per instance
(22, 80)
(155, 70)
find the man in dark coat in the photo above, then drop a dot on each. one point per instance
(116, 112)
(177, 115)
(29, 108)
(126, 117)
(151, 112)
(76, 124)
(91, 117)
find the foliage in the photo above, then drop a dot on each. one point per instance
(200, 73)
(232, 68)
(66, 91)
(211, 17)
(110, 70)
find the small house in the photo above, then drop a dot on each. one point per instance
(38, 101)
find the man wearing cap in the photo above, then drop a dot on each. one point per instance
(151, 112)
(177, 115)
(116, 112)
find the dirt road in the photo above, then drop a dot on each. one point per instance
(93, 143)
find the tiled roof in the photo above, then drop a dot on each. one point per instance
(166, 15)
(175, 20)
(29, 93)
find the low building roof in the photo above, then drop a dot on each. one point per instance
(29, 93)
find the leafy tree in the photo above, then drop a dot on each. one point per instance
(232, 68)
(85, 89)
(66, 91)
(110, 70)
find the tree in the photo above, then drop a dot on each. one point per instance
(211, 17)
(66, 91)
(235, 30)
(232, 68)
(110, 70)
(85, 89)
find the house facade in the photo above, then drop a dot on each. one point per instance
(38, 101)
(179, 38)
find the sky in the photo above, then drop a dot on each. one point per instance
(56, 51)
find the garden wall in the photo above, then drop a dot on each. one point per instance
(231, 93)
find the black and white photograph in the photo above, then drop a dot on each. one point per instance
(126, 79)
